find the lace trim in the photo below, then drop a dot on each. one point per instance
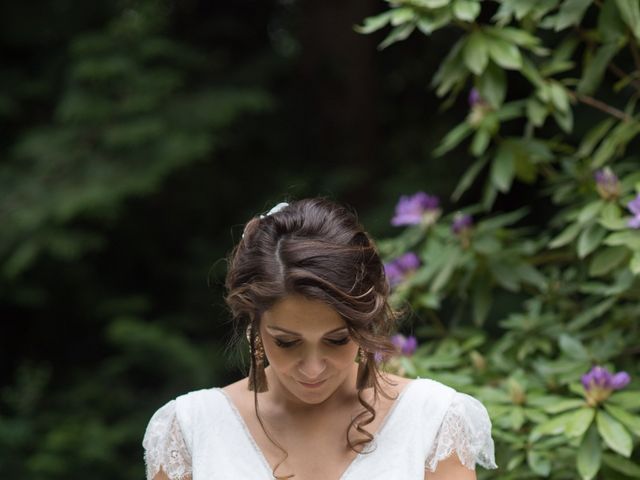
(466, 430)
(164, 446)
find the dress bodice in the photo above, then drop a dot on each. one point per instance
(201, 435)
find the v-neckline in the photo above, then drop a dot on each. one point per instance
(350, 466)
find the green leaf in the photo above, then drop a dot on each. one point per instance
(580, 422)
(606, 260)
(566, 236)
(594, 71)
(563, 405)
(492, 85)
(634, 264)
(590, 211)
(435, 3)
(514, 35)
(590, 239)
(611, 27)
(372, 24)
(593, 137)
(515, 461)
(630, 13)
(539, 462)
(503, 169)
(590, 314)
(443, 276)
(475, 53)
(554, 426)
(571, 13)
(505, 54)
(480, 142)
(398, 34)
(467, 179)
(573, 347)
(630, 239)
(589, 455)
(529, 274)
(429, 23)
(505, 275)
(611, 217)
(481, 300)
(531, 72)
(451, 70)
(453, 138)
(536, 111)
(632, 422)
(559, 96)
(564, 119)
(401, 15)
(614, 141)
(466, 10)
(622, 465)
(629, 400)
(614, 434)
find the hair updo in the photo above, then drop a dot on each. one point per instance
(317, 249)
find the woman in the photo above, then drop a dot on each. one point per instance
(307, 288)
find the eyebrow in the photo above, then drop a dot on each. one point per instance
(291, 332)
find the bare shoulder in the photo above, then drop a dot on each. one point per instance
(240, 385)
(238, 391)
(393, 384)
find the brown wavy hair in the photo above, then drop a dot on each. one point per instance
(315, 248)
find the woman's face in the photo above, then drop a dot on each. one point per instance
(308, 347)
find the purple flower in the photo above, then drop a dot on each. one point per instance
(393, 273)
(607, 184)
(405, 345)
(397, 269)
(461, 223)
(411, 210)
(474, 97)
(634, 207)
(599, 383)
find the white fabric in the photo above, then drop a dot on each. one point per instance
(164, 445)
(202, 436)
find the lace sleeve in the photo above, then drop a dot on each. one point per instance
(465, 429)
(164, 446)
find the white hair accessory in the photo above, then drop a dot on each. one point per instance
(275, 209)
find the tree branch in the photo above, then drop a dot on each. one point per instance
(595, 103)
(622, 75)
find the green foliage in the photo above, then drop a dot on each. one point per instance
(517, 307)
(132, 111)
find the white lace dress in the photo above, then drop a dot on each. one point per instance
(202, 436)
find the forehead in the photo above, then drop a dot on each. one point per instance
(302, 315)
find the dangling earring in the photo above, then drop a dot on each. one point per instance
(257, 377)
(363, 378)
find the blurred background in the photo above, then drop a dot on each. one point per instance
(137, 139)
(139, 136)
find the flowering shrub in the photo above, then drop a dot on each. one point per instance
(532, 307)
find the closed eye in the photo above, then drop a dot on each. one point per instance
(283, 344)
(337, 342)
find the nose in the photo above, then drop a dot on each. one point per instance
(312, 367)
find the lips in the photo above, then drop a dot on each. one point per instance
(312, 385)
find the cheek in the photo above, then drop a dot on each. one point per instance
(344, 356)
(279, 358)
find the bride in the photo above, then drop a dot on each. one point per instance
(307, 287)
